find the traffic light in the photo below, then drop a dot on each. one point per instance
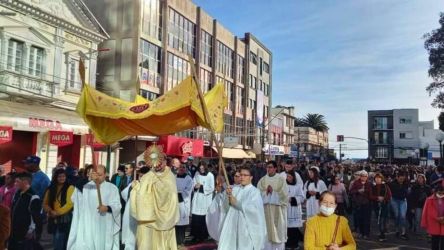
(339, 138)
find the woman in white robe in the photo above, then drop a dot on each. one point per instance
(184, 188)
(129, 224)
(203, 196)
(294, 211)
(313, 188)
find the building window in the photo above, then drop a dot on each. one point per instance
(151, 19)
(253, 58)
(206, 80)
(206, 54)
(35, 61)
(72, 73)
(406, 135)
(266, 68)
(148, 95)
(381, 152)
(380, 123)
(405, 120)
(225, 61)
(240, 69)
(240, 100)
(149, 63)
(228, 124)
(229, 91)
(182, 34)
(178, 69)
(381, 137)
(15, 55)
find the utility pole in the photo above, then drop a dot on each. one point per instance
(340, 152)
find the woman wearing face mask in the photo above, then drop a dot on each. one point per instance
(433, 218)
(328, 230)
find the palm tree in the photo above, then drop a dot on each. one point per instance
(315, 121)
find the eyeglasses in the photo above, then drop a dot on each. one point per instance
(237, 176)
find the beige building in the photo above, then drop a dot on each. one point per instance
(41, 44)
(149, 44)
(310, 142)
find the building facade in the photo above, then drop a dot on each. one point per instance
(311, 144)
(398, 136)
(154, 57)
(41, 45)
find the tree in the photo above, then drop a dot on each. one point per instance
(316, 121)
(434, 44)
(300, 122)
(441, 121)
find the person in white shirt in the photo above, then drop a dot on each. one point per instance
(184, 188)
(314, 187)
(296, 198)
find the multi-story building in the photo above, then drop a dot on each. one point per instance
(148, 54)
(311, 143)
(41, 45)
(397, 135)
(281, 128)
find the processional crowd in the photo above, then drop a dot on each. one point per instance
(265, 205)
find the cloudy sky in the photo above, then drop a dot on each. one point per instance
(341, 58)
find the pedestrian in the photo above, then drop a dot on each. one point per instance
(191, 168)
(7, 192)
(381, 196)
(399, 188)
(184, 188)
(243, 218)
(417, 197)
(313, 189)
(5, 225)
(274, 193)
(296, 198)
(2, 177)
(360, 192)
(327, 230)
(58, 206)
(25, 215)
(116, 179)
(96, 226)
(433, 218)
(203, 184)
(338, 188)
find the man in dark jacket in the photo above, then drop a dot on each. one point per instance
(25, 214)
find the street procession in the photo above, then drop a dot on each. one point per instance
(221, 125)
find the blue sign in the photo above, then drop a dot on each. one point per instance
(430, 155)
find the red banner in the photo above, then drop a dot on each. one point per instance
(92, 141)
(61, 138)
(5, 134)
(179, 146)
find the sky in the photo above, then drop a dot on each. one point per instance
(341, 58)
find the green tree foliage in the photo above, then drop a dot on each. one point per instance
(434, 44)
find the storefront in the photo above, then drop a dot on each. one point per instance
(53, 134)
(274, 152)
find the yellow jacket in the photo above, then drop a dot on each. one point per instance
(61, 210)
(319, 232)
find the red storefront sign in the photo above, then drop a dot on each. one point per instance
(5, 134)
(179, 146)
(61, 138)
(92, 141)
(42, 123)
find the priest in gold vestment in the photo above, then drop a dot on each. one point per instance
(154, 204)
(274, 193)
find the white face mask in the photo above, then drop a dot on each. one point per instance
(327, 211)
(440, 196)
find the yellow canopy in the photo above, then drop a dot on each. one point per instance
(112, 119)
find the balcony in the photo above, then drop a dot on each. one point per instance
(23, 85)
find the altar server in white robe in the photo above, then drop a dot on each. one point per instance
(274, 193)
(288, 165)
(296, 197)
(313, 188)
(203, 196)
(243, 219)
(97, 227)
(184, 188)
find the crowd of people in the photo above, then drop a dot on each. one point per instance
(264, 205)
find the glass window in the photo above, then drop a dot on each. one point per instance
(181, 33)
(206, 54)
(149, 64)
(178, 69)
(35, 61)
(381, 137)
(205, 80)
(151, 19)
(253, 58)
(15, 55)
(240, 69)
(225, 60)
(72, 76)
(381, 152)
(405, 120)
(405, 135)
(380, 123)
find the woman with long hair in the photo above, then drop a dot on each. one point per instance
(313, 189)
(338, 188)
(58, 205)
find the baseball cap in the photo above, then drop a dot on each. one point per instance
(32, 159)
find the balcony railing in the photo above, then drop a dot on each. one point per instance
(12, 82)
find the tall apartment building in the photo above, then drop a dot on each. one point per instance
(396, 135)
(41, 44)
(148, 49)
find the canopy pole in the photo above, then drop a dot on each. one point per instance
(207, 120)
(135, 158)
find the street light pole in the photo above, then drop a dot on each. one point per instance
(440, 138)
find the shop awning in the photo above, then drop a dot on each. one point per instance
(250, 154)
(233, 153)
(26, 117)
